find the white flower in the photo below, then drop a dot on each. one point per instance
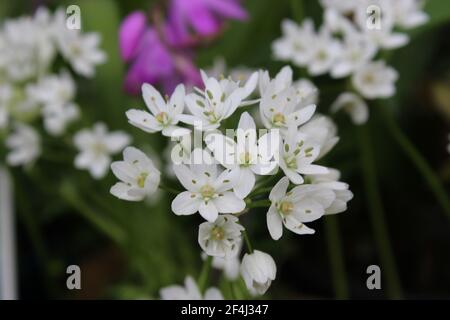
(217, 102)
(81, 50)
(164, 114)
(25, 145)
(375, 80)
(209, 190)
(248, 156)
(190, 291)
(324, 51)
(258, 271)
(221, 238)
(293, 209)
(96, 147)
(295, 44)
(322, 131)
(381, 31)
(340, 189)
(354, 105)
(408, 13)
(229, 265)
(357, 50)
(298, 152)
(139, 177)
(54, 93)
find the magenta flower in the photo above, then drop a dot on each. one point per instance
(151, 60)
(204, 17)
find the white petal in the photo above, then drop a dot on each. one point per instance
(143, 120)
(227, 202)
(245, 183)
(208, 211)
(274, 223)
(121, 191)
(153, 99)
(186, 203)
(279, 190)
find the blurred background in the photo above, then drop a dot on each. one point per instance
(130, 250)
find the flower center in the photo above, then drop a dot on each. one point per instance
(207, 192)
(162, 117)
(286, 207)
(99, 149)
(279, 119)
(245, 158)
(217, 233)
(141, 179)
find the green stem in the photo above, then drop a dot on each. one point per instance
(69, 193)
(169, 189)
(417, 159)
(204, 274)
(259, 191)
(259, 204)
(376, 212)
(247, 242)
(336, 258)
(298, 11)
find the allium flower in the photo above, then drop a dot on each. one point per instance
(375, 80)
(408, 13)
(298, 152)
(340, 189)
(81, 51)
(322, 131)
(204, 17)
(354, 105)
(357, 50)
(55, 93)
(190, 291)
(248, 156)
(214, 104)
(229, 265)
(96, 146)
(139, 177)
(295, 44)
(221, 238)
(164, 114)
(208, 188)
(25, 146)
(324, 51)
(293, 209)
(258, 271)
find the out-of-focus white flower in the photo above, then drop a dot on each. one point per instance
(375, 80)
(248, 156)
(324, 51)
(357, 50)
(258, 269)
(229, 265)
(208, 189)
(293, 209)
(54, 93)
(164, 114)
(81, 51)
(354, 105)
(322, 131)
(340, 189)
(238, 74)
(25, 146)
(297, 153)
(408, 13)
(217, 102)
(190, 291)
(381, 26)
(295, 43)
(138, 176)
(96, 146)
(221, 238)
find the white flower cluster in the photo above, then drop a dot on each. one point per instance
(221, 173)
(30, 87)
(347, 45)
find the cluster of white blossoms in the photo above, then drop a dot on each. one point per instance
(227, 165)
(348, 44)
(30, 87)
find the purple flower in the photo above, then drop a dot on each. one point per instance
(205, 17)
(151, 60)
